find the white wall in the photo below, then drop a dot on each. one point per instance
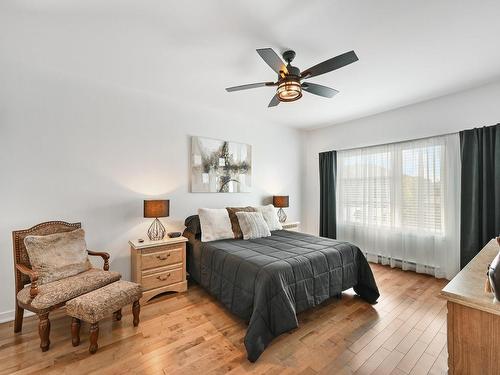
(75, 150)
(452, 113)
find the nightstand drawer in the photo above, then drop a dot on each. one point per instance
(162, 278)
(161, 258)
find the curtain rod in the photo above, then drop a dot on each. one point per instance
(395, 142)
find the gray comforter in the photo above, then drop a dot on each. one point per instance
(267, 281)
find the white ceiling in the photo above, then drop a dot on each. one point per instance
(189, 51)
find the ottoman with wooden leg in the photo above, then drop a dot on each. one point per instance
(96, 305)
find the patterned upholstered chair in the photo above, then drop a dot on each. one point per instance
(41, 299)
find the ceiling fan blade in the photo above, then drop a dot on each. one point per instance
(320, 90)
(249, 86)
(330, 64)
(274, 101)
(272, 59)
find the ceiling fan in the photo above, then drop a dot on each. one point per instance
(289, 77)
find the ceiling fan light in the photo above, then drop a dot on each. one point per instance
(288, 91)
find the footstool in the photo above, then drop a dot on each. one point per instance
(94, 306)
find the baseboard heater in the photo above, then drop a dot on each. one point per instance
(381, 259)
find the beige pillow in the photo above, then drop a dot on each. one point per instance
(215, 224)
(253, 225)
(270, 216)
(57, 256)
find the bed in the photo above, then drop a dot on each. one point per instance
(268, 281)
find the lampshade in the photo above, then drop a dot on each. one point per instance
(289, 90)
(156, 208)
(280, 201)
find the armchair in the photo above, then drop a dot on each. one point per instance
(41, 299)
(103, 255)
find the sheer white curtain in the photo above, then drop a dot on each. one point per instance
(400, 203)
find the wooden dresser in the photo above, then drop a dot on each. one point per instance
(159, 266)
(473, 318)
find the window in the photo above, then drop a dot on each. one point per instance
(421, 188)
(399, 203)
(367, 188)
(392, 187)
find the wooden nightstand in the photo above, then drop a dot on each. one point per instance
(159, 266)
(291, 225)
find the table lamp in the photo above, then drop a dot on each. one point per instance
(281, 201)
(155, 209)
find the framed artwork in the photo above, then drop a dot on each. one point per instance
(219, 166)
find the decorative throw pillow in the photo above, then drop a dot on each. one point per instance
(215, 224)
(57, 256)
(253, 225)
(270, 216)
(235, 225)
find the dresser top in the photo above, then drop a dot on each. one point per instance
(148, 243)
(467, 288)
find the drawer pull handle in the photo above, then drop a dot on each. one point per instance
(163, 278)
(163, 257)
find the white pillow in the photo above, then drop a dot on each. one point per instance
(252, 225)
(270, 216)
(215, 224)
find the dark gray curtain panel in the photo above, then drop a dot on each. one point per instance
(480, 195)
(327, 203)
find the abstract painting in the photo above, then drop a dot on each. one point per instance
(219, 166)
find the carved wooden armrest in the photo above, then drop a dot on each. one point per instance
(33, 275)
(103, 255)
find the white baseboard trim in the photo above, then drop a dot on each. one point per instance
(398, 263)
(8, 316)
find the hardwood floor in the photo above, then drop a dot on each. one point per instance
(404, 333)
